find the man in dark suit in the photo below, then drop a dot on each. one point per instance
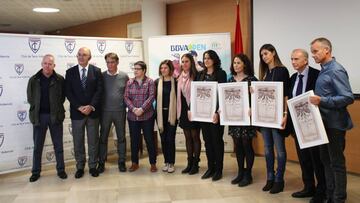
(302, 81)
(83, 90)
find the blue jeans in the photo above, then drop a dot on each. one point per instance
(273, 137)
(135, 135)
(56, 132)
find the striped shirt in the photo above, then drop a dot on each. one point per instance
(140, 96)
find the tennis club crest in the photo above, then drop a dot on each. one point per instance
(22, 160)
(21, 114)
(34, 44)
(19, 68)
(70, 45)
(2, 138)
(101, 45)
(50, 155)
(129, 45)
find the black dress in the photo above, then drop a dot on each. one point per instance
(184, 122)
(243, 131)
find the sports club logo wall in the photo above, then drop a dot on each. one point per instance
(21, 114)
(34, 44)
(101, 45)
(129, 45)
(19, 68)
(22, 160)
(70, 45)
(2, 138)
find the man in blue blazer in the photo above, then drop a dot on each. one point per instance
(302, 81)
(83, 89)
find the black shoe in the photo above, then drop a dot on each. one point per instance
(101, 168)
(268, 186)
(62, 175)
(303, 193)
(238, 178)
(277, 187)
(189, 164)
(247, 180)
(217, 176)
(318, 199)
(208, 174)
(79, 173)
(195, 167)
(34, 177)
(122, 167)
(94, 172)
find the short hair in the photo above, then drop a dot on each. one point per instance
(112, 55)
(142, 64)
(325, 42)
(263, 67)
(169, 64)
(215, 57)
(48, 55)
(303, 51)
(248, 67)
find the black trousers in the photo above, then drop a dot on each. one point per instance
(310, 164)
(214, 145)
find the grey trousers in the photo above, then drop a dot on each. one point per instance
(78, 132)
(108, 118)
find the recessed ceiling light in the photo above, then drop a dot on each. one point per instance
(46, 10)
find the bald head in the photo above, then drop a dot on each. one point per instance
(299, 59)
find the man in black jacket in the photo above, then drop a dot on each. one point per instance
(83, 90)
(302, 81)
(45, 94)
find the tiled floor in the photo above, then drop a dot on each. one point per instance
(143, 186)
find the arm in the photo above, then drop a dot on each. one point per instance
(30, 99)
(127, 100)
(344, 95)
(69, 90)
(96, 99)
(148, 102)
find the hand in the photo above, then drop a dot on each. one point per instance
(215, 118)
(315, 100)
(87, 110)
(283, 122)
(189, 115)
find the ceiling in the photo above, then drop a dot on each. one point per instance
(17, 15)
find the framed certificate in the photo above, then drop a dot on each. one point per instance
(203, 101)
(306, 118)
(267, 104)
(234, 103)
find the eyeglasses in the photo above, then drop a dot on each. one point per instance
(134, 69)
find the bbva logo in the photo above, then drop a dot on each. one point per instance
(21, 114)
(34, 44)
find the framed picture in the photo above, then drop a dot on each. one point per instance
(203, 101)
(306, 118)
(267, 104)
(234, 103)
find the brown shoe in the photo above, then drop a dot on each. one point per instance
(153, 168)
(133, 167)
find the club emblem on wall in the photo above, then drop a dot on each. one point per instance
(101, 45)
(19, 68)
(50, 155)
(21, 114)
(129, 45)
(1, 90)
(2, 138)
(22, 160)
(70, 128)
(34, 44)
(70, 45)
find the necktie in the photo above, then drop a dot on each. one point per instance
(299, 88)
(83, 78)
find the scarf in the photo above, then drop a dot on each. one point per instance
(172, 105)
(184, 88)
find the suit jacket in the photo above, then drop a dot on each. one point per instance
(310, 85)
(78, 96)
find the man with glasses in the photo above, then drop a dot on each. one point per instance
(84, 85)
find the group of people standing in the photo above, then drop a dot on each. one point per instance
(100, 99)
